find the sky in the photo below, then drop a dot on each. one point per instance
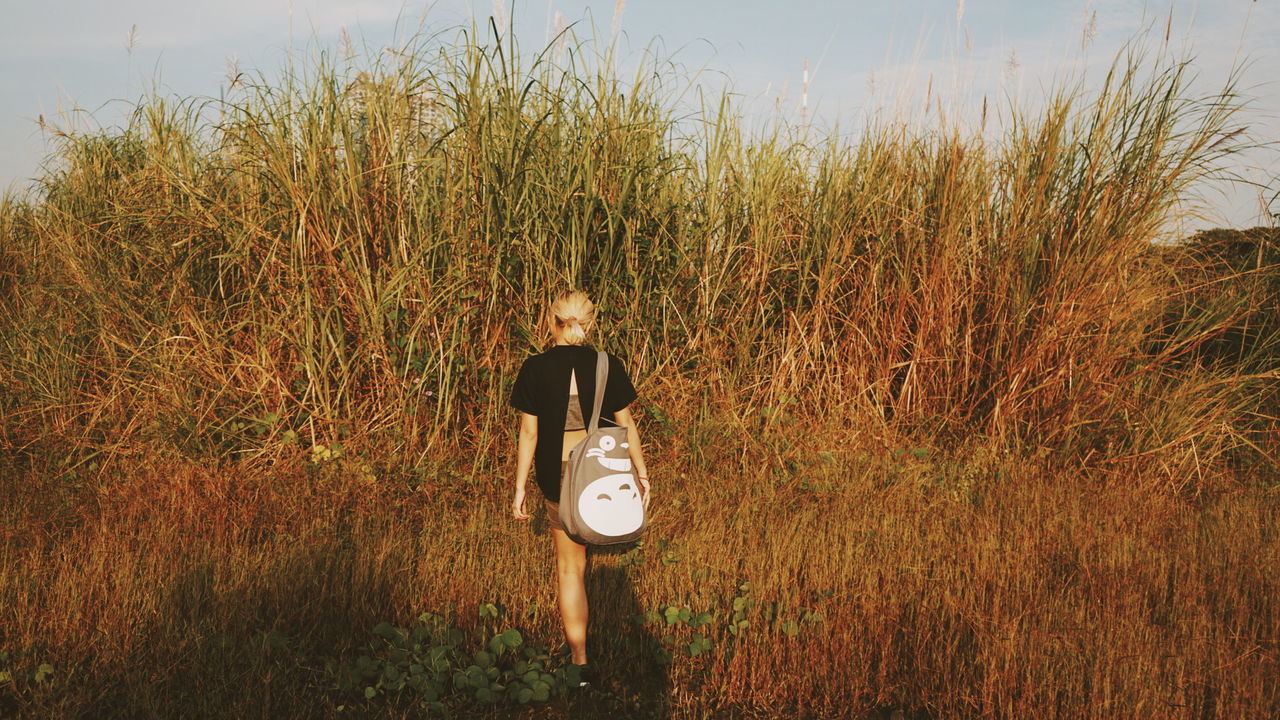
(80, 64)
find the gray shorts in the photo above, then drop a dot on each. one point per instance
(553, 515)
(553, 508)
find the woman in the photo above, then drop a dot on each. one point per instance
(554, 393)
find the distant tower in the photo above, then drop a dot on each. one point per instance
(804, 95)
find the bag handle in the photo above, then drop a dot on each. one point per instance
(602, 375)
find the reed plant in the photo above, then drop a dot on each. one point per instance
(934, 411)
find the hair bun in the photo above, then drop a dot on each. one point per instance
(571, 314)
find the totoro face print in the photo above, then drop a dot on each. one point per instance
(612, 505)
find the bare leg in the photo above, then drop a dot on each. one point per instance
(571, 565)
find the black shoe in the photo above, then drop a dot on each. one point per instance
(581, 675)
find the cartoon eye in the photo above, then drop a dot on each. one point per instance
(624, 486)
(603, 496)
(607, 443)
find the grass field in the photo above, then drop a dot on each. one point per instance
(941, 423)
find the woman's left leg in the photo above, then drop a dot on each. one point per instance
(571, 595)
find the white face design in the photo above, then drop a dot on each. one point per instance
(607, 445)
(611, 505)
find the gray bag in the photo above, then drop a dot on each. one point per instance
(600, 500)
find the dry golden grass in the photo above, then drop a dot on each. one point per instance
(971, 585)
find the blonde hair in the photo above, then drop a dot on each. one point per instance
(571, 316)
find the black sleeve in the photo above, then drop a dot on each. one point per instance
(618, 392)
(522, 395)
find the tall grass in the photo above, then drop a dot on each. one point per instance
(353, 258)
(367, 249)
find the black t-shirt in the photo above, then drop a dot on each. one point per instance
(542, 389)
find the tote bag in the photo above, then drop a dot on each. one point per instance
(600, 501)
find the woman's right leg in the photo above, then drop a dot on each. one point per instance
(571, 566)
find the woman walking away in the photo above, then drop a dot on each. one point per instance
(554, 393)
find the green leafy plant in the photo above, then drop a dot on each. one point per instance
(670, 551)
(322, 453)
(633, 557)
(741, 605)
(682, 631)
(446, 667)
(781, 619)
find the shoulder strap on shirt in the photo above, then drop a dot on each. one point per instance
(602, 374)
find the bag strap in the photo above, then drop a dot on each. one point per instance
(602, 375)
